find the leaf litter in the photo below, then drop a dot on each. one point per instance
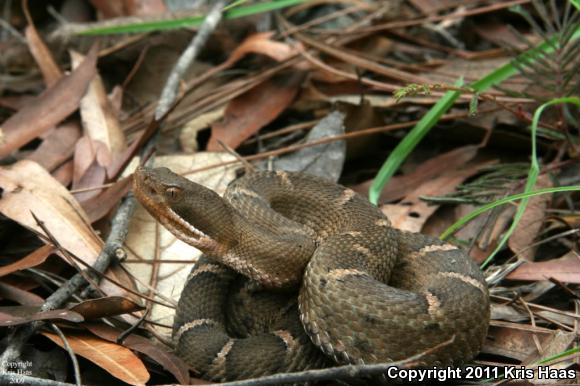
(70, 136)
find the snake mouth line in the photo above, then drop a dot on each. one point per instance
(178, 223)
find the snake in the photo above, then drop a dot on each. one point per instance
(299, 272)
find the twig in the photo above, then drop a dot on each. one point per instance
(123, 335)
(120, 222)
(71, 353)
(112, 249)
(420, 21)
(68, 256)
(248, 166)
(339, 372)
(169, 92)
(354, 134)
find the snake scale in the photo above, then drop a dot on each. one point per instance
(301, 273)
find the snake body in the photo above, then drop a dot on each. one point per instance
(297, 266)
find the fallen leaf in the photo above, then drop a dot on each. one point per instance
(111, 9)
(188, 135)
(64, 173)
(28, 188)
(103, 307)
(262, 43)
(49, 108)
(33, 259)
(161, 355)
(42, 55)
(86, 154)
(400, 186)
(57, 147)
(117, 360)
(98, 207)
(103, 138)
(20, 296)
(412, 212)
(565, 269)
(501, 34)
(514, 340)
(556, 344)
(324, 160)
(15, 315)
(254, 109)
(99, 118)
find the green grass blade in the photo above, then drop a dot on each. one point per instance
(502, 201)
(532, 174)
(493, 78)
(191, 21)
(408, 143)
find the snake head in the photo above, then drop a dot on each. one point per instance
(193, 213)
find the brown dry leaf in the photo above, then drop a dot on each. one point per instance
(103, 137)
(57, 147)
(411, 213)
(565, 269)
(15, 315)
(31, 260)
(353, 58)
(159, 354)
(117, 360)
(471, 70)
(146, 236)
(87, 154)
(88, 171)
(15, 102)
(558, 343)
(254, 109)
(261, 43)
(103, 307)
(501, 34)
(43, 57)
(99, 118)
(514, 340)
(28, 188)
(20, 296)
(115, 8)
(64, 173)
(432, 168)
(49, 108)
(188, 134)
(97, 207)
(531, 221)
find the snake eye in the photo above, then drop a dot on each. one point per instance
(173, 191)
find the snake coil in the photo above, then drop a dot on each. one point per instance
(296, 266)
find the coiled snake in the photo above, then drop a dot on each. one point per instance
(367, 293)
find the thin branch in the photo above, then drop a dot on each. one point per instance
(169, 92)
(339, 372)
(71, 353)
(112, 249)
(354, 134)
